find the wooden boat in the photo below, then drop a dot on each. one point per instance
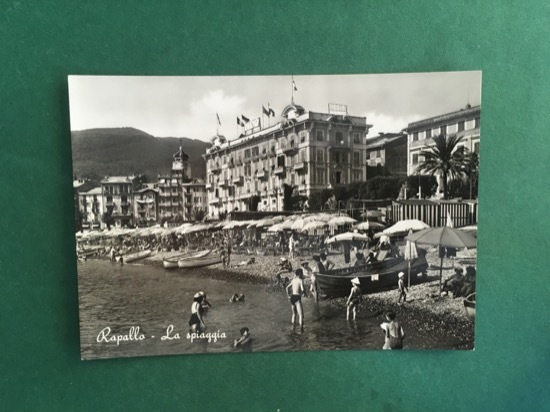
(199, 262)
(381, 275)
(172, 263)
(470, 306)
(132, 257)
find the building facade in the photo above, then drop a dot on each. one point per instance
(171, 200)
(388, 151)
(91, 207)
(195, 198)
(464, 123)
(117, 193)
(146, 204)
(307, 150)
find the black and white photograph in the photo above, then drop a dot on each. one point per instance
(275, 213)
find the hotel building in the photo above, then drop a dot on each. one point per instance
(195, 198)
(464, 122)
(388, 151)
(146, 204)
(307, 150)
(117, 193)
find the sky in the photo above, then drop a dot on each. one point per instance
(188, 106)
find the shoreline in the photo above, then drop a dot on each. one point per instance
(425, 311)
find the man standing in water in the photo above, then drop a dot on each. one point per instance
(295, 290)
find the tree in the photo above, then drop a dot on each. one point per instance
(444, 158)
(107, 217)
(253, 202)
(427, 183)
(198, 214)
(287, 197)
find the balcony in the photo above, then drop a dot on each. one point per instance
(165, 204)
(300, 166)
(279, 170)
(224, 183)
(238, 180)
(290, 150)
(214, 202)
(209, 186)
(216, 169)
(261, 174)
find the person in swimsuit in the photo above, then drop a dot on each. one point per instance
(245, 340)
(355, 297)
(295, 290)
(393, 332)
(196, 322)
(314, 287)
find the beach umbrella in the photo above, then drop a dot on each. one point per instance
(314, 224)
(341, 220)
(276, 228)
(403, 226)
(298, 224)
(370, 225)
(263, 223)
(348, 236)
(444, 236)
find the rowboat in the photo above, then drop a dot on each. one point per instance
(199, 262)
(470, 306)
(172, 263)
(132, 257)
(373, 277)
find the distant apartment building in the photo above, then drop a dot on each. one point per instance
(307, 150)
(171, 202)
(388, 152)
(117, 193)
(195, 198)
(464, 122)
(146, 204)
(91, 206)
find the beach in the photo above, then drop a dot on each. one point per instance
(425, 312)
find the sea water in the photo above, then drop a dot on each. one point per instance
(139, 310)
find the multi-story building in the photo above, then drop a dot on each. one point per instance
(117, 193)
(91, 207)
(464, 123)
(195, 198)
(170, 205)
(309, 151)
(388, 151)
(146, 204)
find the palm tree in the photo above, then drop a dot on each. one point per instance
(444, 158)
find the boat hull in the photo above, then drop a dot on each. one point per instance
(199, 262)
(172, 263)
(373, 278)
(136, 256)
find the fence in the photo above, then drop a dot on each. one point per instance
(434, 213)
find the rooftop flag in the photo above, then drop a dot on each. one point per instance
(294, 85)
(265, 111)
(245, 119)
(270, 110)
(239, 122)
(220, 123)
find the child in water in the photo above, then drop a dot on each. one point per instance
(244, 340)
(355, 297)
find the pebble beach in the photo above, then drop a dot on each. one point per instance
(426, 311)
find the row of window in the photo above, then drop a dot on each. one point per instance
(443, 130)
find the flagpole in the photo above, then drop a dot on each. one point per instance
(292, 90)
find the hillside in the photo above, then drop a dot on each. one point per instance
(126, 151)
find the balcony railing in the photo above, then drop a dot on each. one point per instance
(300, 166)
(279, 170)
(238, 180)
(261, 174)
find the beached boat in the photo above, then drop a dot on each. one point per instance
(132, 257)
(199, 262)
(172, 263)
(470, 306)
(373, 277)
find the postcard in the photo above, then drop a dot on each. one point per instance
(275, 213)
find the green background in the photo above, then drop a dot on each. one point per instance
(43, 42)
